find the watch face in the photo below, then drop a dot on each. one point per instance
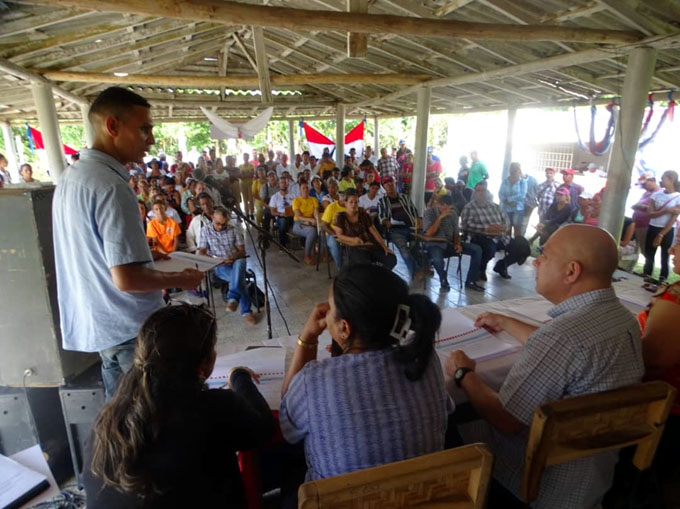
(458, 373)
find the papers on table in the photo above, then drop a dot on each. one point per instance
(23, 477)
(632, 295)
(179, 260)
(459, 333)
(269, 363)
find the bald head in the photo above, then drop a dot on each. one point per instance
(576, 259)
(593, 247)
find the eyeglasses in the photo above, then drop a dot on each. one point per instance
(220, 225)
(541, 250)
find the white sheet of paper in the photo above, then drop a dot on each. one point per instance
(632, 295)
(269, 363)
(16, 479)
(179, 260)
(34, 459)
(533, 308)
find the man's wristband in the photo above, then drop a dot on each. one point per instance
(305, 344)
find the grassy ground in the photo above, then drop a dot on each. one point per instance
(672, 276)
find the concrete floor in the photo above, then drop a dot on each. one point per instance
(298, 287)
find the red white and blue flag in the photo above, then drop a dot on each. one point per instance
(355, 139)
(316, 141)
(35, 140)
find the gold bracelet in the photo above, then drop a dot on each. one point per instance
(304, 344)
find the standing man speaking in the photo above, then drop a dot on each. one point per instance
(106, 283)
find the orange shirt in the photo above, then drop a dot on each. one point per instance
(671, 375)
(163, 233)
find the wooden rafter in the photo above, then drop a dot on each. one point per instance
(262, 65)
(357, 43)
(235, 13)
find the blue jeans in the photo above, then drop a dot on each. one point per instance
(116, 361)
(235, 275)
(401, 235)
(437, 253)
(488, 247)
(336, 250)
(516, 220)
(283, 224)
(309, 233)
(475, 254)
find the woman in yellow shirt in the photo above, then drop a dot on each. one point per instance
(257, 184)
(247, 175)
(347, 180)
(305, 210)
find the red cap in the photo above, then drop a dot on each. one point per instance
(568, 171)
(387, 179)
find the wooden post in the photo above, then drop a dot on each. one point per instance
(512, 112)
(376, 136)
(10, 152)
(357, 44)
(420, 149)
(641, 62)
(49, 125)
(291, 142)
(340, 136)
(262, 65)
(89, 129)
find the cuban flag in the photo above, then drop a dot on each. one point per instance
(316, 141)
(35, 140)
(355, 139)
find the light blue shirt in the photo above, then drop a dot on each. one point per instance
(513, 193)
(96, 226)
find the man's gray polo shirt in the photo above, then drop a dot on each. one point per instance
(96, 227)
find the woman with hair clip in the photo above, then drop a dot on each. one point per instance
(383, 399)
(164, 440)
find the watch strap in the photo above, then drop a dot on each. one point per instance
(463, 372)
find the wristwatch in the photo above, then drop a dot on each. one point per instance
(460, 374)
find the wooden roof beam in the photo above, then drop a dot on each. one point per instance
(451, 6)
(20, 72)
(41, 20)
(262, 65)
(555, 62)
(235, 13)
(357, 43)
(235, 80)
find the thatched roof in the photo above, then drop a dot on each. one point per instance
(221, 54)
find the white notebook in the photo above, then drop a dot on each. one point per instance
(19, 484)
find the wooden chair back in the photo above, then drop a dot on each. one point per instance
(455, 478)
(583, 426)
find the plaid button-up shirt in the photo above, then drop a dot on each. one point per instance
(477, 216)
(222, 244)
(388, 167)
(592, 345)
(546, 196)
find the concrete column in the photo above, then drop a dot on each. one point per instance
(376, 136)
(10, 152)
(507, 159)
(49, 126)
(89, 129)
(291, 141)
(420, 150)
(340, 136)
(641, 62)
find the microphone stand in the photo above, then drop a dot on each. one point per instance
(263, 243)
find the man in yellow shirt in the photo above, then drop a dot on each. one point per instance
(247, 176)
(327, 219)
(162, 230)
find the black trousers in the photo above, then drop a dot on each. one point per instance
(650, 250)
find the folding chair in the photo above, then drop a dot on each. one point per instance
(454, 478)
(583, 426)
(422, 239)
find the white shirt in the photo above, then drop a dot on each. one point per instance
(281, 168)
(194, 231)
(279, 202)
(667, 201)
(370, 206)
(294, 189)
(170, 212)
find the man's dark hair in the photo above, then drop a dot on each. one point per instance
(204, 195)
(115, 101)
(482, 183)
(446, 199)
(374, 184)
(350, 191)
(305, 152)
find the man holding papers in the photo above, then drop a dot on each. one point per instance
(106, 283)
(223, 240)
(592, 344)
